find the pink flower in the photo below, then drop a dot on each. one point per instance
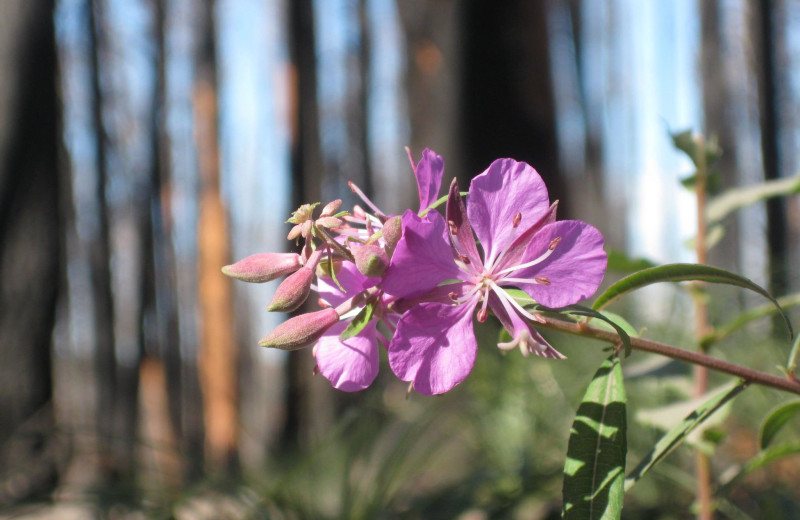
(352, 365)
(437, 264)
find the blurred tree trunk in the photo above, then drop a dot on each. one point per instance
(765, 41)
(30, 244)
(100, 256)
(718, 122)
(218, 357)
(432, 32)
(159, 313)
(507, 105)
(306, 179)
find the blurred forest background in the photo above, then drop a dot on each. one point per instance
(146, 143)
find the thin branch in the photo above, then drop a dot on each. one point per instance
(645, 345)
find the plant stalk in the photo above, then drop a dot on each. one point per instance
(697, 358)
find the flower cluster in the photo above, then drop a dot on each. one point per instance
(412, 283)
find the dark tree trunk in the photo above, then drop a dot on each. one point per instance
(507, 103)
(30, 244)
(764, 39)
(306, 178)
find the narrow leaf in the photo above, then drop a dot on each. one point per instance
(682, 273)
(737, 198)
(726, 329)
(359, 322)
(761, 459)
(595, 465)
(673, 438)
(624, 335)
(776, 420)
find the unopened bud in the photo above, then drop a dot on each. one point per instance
(300, 331)
(263, 267)
(371, 260)
(295, 232)
(392, 232)
(293, 291)
(331, 208)
(329, 222)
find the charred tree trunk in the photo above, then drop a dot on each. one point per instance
(30, 245)
(306, 165)
(218, 357)
(507, 104)
(765, 42)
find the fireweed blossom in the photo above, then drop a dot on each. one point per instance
(352, 364)
(438, 267)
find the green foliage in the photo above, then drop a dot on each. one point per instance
(776, 420)
(595, 467)
(682, 273)
(359, 322)
(738, 198)
(678, 434)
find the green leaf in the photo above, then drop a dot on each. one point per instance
(737, 198)
(761, 459)
(762, 311)
(682, 273)
(673, 438)
(664, 417)
(691, 144)
(359, 322)
(776, 420)
(595, 465)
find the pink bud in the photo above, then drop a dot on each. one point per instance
(392, 231)
(263, 267)
(300, 331)
(329, 222)
(331, 208)
(293, 291)
(371, 260)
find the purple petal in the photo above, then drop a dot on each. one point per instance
(506, 188)
(350, 365)
(440, 294)
(463, 240)
(428, 171)
(522, 331)
(434, 346)
(423, 257)
(516, 251)
(351, 280)
(575, 268)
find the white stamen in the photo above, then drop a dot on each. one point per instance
(528, 264)
(507, 297)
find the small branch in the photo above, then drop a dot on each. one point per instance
(696, 358)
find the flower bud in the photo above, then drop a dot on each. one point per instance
(329, 222)
(331, 208)
(300, 331)
(263, 267)
(371, 260)
(293, 291)
(392, 231)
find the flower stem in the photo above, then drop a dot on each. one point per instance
(702, 464)
(697, 358)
